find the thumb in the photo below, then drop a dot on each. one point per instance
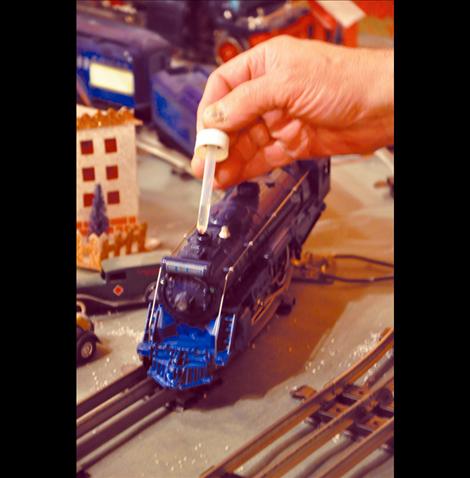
(241, 106)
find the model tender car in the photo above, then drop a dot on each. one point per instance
(123, 281)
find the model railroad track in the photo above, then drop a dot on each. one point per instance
(115, 408)
(366, 412)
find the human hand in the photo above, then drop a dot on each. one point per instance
(288, 99)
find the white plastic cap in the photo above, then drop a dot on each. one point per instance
(212, 137)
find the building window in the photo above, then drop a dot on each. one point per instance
(88, 199)
(86, 147)
(111, 172)
(110, 145)
(88, 174)
(113, 197)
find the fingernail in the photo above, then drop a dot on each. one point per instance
(214, 114)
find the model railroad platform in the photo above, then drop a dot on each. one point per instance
(329, 329)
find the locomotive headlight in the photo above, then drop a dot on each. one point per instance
(188, 298)
(182, 301)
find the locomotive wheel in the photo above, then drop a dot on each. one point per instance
(86, 348)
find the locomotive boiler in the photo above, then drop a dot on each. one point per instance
(219, 289)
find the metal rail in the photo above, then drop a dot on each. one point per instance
(284, 462)
(119, 403)
(357, 452)
(109, 412)
(311, 405)
(110, 391)
(92, 442)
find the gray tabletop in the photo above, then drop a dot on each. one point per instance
(329, 328)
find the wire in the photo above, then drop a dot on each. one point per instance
(365, 259)
(329, 279)
(365, 280)
(326, 278)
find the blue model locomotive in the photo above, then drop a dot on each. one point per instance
(218, 290)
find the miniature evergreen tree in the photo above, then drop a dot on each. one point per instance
(98, 220)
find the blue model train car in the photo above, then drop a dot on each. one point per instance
(176, 93)
(115, 62)
(218, 290)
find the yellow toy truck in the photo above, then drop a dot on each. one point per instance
(86, 338)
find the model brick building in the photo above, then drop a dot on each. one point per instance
(106, 155)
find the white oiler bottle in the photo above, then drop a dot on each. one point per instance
(211, 145)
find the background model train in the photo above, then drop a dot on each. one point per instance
(155, 57)
(218, 290)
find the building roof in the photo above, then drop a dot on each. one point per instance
(347, 13)
(88, 118)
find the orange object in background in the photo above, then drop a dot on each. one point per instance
(379, 21)
(227, 50)
(323, 23)
(377, 8)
